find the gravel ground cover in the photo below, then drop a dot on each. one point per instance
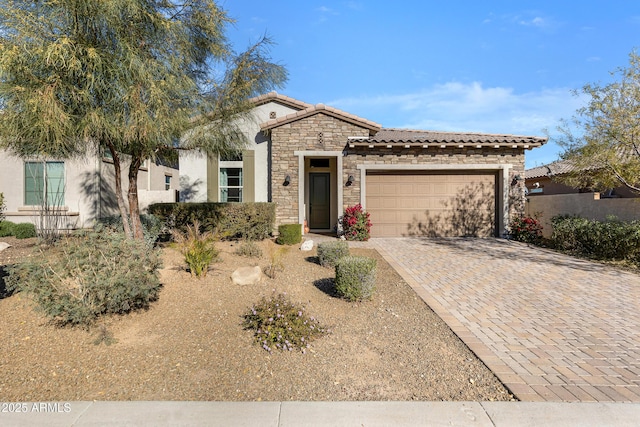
(190, 345)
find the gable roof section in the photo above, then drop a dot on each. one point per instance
(324, 109)
(281, 99)
(407, 138)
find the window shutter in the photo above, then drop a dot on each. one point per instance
(249, 176)
(213, 185)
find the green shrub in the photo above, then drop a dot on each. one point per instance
(152, 226)
(525, 229)
(250, 249)
(329, 253)
(198, 248)
(24, 230)
(605, 240)
(356, 278)
(279, 323)
(356, 224)
(253, 221)
(6, 228)
(289, 234)
(89, 274)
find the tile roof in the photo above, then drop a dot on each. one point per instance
(282, 99)
(559, 167)
(325, 109)
(403, 137)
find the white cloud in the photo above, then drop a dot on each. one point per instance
(469, 107)
(457, 106)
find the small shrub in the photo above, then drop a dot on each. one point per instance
(329, 253)
(279, 323)
(197, 247)
(356, 224)
(89, 274)
(289, 234)
(355, 278)
(525, 229)
(6, 228)
(250, 249)
(24, 230)
(275, 254)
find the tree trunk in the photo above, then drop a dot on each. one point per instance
(134, 207)
(121, 204)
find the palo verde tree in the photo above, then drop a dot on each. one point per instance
(602, 141)
(130, 77)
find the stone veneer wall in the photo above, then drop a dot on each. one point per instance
(426, 156)
(319, 132)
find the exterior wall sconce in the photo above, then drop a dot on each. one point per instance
(287, 180)
(516, 179)
(350, 180)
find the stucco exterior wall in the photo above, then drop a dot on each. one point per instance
(194, 180)
(89, 189)
(586, 205)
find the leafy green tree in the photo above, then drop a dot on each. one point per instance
(126, 76)
(602, 141)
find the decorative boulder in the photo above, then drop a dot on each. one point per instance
(3, 246)
(307, 245)
(247, 276)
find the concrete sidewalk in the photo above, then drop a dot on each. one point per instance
(301, 414)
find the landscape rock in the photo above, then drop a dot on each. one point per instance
(307, 245)
(3, 246)
(247, 276)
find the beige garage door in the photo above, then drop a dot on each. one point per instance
(431, 204)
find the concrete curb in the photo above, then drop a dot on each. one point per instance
(308, 414)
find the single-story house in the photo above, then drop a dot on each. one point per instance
(79, 191)
(313, 161)
(546, 180)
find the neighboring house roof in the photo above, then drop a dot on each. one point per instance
(559, 167)
(282, 99)
(324, 109)
(403, 137)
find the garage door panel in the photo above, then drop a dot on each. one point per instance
(437, 204)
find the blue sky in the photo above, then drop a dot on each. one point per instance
(480, 66)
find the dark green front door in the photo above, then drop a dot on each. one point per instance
(319, 201)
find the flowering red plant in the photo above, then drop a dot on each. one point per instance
(356, 223)
(525, 229)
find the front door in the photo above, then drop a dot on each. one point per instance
(319, 201)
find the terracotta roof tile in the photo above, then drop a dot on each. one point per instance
(321, 108)
(283, 99)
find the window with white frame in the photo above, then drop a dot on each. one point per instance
(44, 183)
(231, 178)
(167, 182)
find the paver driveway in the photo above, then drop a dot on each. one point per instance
(551, 327)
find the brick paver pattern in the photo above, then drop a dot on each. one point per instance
(550, 326)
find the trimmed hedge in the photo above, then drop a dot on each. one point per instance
(289, 234)
(252, 221)
(356, 278)
(24, 230)
(6, 228)
(603, 240)
(329, 253)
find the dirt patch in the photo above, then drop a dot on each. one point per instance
(190, 345)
